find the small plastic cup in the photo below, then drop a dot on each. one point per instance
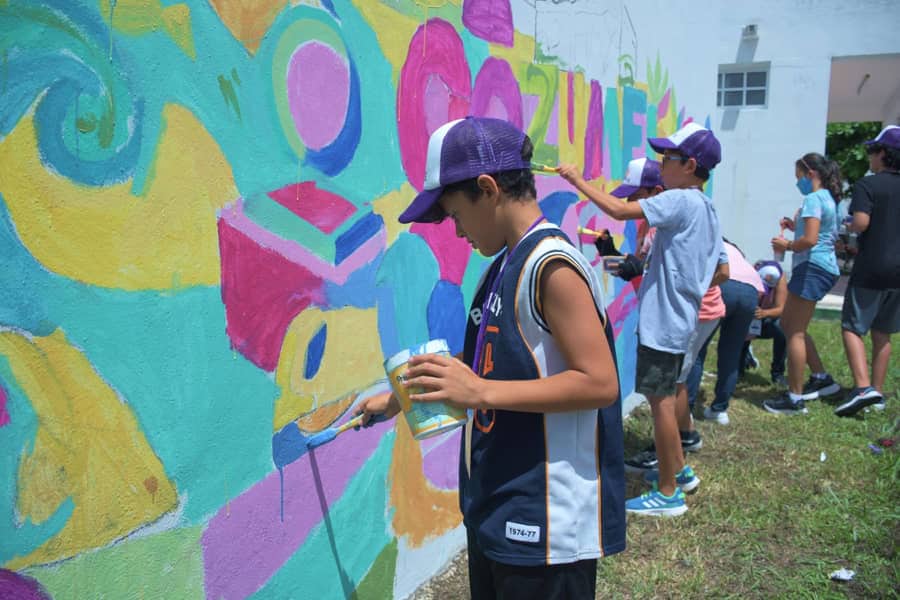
(778, 255)
(425, 419)
(611, 264)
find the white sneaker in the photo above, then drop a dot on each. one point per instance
(719, 416)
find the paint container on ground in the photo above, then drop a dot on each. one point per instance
(425, 418)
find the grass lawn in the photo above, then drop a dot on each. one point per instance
(771, 519)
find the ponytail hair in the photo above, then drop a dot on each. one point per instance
(828, 171)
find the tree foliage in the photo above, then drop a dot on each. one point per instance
(844, 144)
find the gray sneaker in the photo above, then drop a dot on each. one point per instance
(783, 405)
(859, 399)
(819, 388)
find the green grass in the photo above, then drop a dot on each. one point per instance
(771, 519)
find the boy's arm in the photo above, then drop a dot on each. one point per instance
(614, 207)
(589, 382)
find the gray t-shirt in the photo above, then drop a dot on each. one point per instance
(682, 263)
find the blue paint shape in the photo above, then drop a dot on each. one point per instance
(288, 445)
(634, 103)
(612, 133)
(447, 315)
(354, 237)
(315, 349)
(555, 205)
(358, 290)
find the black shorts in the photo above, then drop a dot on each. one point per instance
(490, 580)
(866, 309)
(656, 372)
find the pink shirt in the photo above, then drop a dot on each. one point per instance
(741, 270)
(712, 306)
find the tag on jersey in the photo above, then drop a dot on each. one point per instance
(523, 533)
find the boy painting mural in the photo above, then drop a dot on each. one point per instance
(541, 468)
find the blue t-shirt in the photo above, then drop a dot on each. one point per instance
(681, 265)
(818, 205)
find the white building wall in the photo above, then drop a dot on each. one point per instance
(754, 184)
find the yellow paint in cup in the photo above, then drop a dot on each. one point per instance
(425, 418)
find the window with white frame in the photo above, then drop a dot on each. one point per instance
(743, 85)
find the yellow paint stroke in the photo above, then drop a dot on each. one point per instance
(111, 238)
(325, 416)
(140, 17)
(351, 361)
(421, 511)
(521, 53)
(88, 447)
(572, 153)
(248, 20)
(393, 29)
(390, 206)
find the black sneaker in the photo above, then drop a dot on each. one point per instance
(817, 388)
(857, 400)
(646, 460)
(783, 405)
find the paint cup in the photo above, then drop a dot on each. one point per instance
(425, 418)
(778, 255)
(611, 264)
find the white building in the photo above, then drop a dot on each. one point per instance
(810, 62)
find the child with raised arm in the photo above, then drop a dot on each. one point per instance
(541, 481)
(682, 262)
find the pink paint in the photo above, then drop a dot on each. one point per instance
(569, 224)
(618, 311)
(547, 184)
(293, 251)
(570, 108)
(318, 87)
(262, 291)
(451, 252)
(4, 413)
(490, 20)
(663, 108)
(320, 208)
(530, 103)
(496, 92)
(246, 542)
(434, 88)
(441, 461)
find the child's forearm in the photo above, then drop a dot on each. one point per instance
(566, 391)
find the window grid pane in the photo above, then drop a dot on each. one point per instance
(741, 88)
(734, 98)
(756, 97)
(756, 79)
(734, 80)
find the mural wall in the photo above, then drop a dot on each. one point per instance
(199, 248)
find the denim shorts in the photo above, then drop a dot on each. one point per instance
(811, 282)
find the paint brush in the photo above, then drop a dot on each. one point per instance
(544, 168)
(290, 443)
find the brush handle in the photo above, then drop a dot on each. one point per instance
(357, 422)
(544, 168)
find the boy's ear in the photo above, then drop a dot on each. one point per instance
(488, 185)
(691, 166)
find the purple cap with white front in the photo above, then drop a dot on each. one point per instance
(641, 173)
(693, 141)
(460, 150)
(889, 136)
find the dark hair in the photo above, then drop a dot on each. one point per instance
(517, 183)
(702, 173)
(828, 171)
(891, 158)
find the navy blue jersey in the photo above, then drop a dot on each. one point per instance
(538, 488)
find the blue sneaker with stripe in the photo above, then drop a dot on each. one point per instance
(656, 504)
(685, 479)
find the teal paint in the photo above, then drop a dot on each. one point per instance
(612, 133)
(410, 270)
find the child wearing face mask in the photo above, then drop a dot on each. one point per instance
(814, 273)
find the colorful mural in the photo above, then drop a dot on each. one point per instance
(199, 247)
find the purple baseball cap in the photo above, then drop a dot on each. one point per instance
(641, 173)
(889, 136)
(460, 150)
(693, 141)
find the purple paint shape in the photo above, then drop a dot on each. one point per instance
(570, 108)
(318, 207)
(246, 542)
(530, 103)
(547, 184)
(441, 462)
(451, 252)
(4, 413)
(19, 587)
(641, 121)
(437, 104)
(490, 20)
(552, 137)
(496, 92)
(318, 88)
(593, 138)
